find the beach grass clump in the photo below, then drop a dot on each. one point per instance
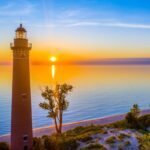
(144, 121)
(127, 143)
(91, 129)
(4, 146)
(122, 136)
(94, 147)
(55, 142)
(84, 137)
(38, 144)
(144, 142)
(111, 140)
(67, 140)
(120, 147)
(103, 131)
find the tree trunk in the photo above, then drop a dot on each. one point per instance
(56, 126)
(60, 122)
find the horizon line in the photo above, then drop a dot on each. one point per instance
(102, 61)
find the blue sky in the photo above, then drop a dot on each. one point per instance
(99, 27)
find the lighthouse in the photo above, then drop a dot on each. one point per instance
(21, 117)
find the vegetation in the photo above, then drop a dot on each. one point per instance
(4, 146)
(111, 140)
(56, 103)
(127, 143)
(68, 140)
(122, 136)
(94, 147)
(120, 147)
(135, 110)
(144, 142)
(133, 120)
(132, 117)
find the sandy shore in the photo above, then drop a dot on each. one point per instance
(37, 132)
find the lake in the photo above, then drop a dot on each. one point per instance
(98, 91)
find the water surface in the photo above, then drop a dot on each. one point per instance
(98, 91)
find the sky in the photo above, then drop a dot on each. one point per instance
(77, 30)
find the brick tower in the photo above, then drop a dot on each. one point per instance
(21, 117)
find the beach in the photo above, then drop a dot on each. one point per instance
(38, 132)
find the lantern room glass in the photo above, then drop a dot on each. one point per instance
(21, 35)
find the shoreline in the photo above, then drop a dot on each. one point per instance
(48, 130)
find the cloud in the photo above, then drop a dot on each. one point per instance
(16, 9)
(109, 24)
(43, 25)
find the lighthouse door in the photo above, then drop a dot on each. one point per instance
(25, 147)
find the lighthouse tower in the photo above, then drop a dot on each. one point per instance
(21, 119)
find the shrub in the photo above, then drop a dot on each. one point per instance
(110, 140)
(119, 124)
(127, 143)
(132, 121)
(123, 136)
(144, 121)
(38, 144)
(120, 147)
(4, 146)
(144, 142)
(94, 147)
(61, 142)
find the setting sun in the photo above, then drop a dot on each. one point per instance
(53, 59)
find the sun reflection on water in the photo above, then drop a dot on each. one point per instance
(53, 71)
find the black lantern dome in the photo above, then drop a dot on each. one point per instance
(21, 29)
(21, 32)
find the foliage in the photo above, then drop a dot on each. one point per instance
(38, 144)
(56, 103)
(144, 121)
(135, 110)
(133, 121)
(67, 140)
(123, 136)
(120, 147)
(94, 147)
(56, 142)
(132, 117)
(4, 146)
(127, 143)
(141, 123)
(144, 142)
(110, 140)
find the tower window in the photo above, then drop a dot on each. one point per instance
(25, 138)
(24, 95)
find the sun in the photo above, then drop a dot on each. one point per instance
(53, 59)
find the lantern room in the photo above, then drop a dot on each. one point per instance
(21, 32)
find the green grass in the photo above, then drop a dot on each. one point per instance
(111, 140)
(122, 136)
(127, 143)
(94, 147)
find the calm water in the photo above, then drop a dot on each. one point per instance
(98, 91)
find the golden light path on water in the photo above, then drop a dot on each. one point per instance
(53, 70)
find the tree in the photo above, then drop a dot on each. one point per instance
(132, 117)
(56, 103)
(135, 110)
